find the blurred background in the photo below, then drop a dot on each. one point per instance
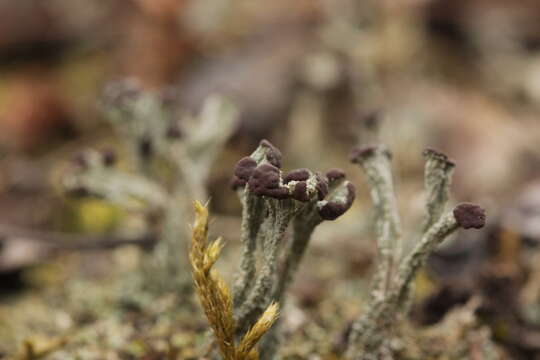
(461, 76)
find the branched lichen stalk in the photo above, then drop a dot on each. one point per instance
(302, 231)
(259, 298)
(170, 160)
(271, 200)
(369, 332)
(337, 198)
(376, 163)
(170, 255)
(252, 216)
(98, 178)
(438, 173)
(418, 256)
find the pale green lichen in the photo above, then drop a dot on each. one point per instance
(371, 335)
(271, 202)
(156, 141)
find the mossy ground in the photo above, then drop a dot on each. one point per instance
(91, 306)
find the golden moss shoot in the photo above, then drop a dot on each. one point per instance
(216, 298)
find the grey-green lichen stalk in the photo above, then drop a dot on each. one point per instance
(168, 167)
(272, 200)
(370, 337)
(376, 163)
(438, 172)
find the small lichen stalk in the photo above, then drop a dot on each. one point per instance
(168, 165)
(371, 335)
(273, 200)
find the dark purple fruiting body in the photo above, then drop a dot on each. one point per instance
(322, 187)
(300, 192)
(237, 183)
(265, 181)
(351, 193)
(296, 175)
(335, 174)
(359, 153)
(244, 168)
(334, 209)
(470, 216)
(273, 155)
